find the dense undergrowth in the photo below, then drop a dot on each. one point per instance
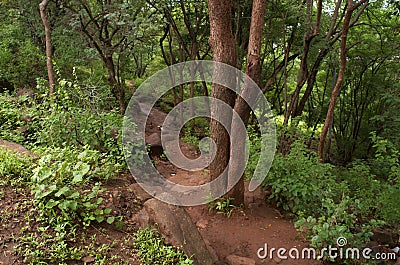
(78, 150)
(333, 201)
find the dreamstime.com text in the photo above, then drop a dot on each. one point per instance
(330, 252)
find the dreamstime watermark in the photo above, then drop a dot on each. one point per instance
(199, 72)
(331, 253)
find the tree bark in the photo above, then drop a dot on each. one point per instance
(253, 71)
(49, 51)
(223, 45)
(115, 85)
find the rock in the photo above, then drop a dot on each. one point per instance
(201, 224)
(140, 193)
(178, 229)
(141, 219)
(154, 139)
(25, 92)
(237, 260)
(383, 237)
(88, 259)
(212, 251)
(19, 149)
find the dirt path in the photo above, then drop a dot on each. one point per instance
(247, 230)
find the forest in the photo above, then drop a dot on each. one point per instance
(71, 76)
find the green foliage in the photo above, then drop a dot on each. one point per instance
(21, 61)
(362, 184)
(190, 138)
(59, 181)
(17, 122)
(92, 164)
(254, 151)
(14, 168)
(152, 250)
(71, 125)
(194, 130)
(338, 221)
(386, 164)
(50, 245)
(388, 207)
(222, 206)
(299, 183)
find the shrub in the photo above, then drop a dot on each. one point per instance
(338, 223)
(388, 207)
(61, 184)
(299, 183)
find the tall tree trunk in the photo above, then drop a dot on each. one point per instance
(351, 6)
(224, 50)
(49, 51)
(253, 70)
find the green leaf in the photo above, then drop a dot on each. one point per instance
(74, 195)
(62, 191)
(99, 200)
(79, 174)
(119, 224)
(51, 203)
(63, 205)
(77, 177)
(110, 219)
(73, 205)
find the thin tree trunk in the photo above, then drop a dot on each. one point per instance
(253, 70)
(303, 71)
(115, 85)
(49, 52)
(296, 108)
(351, 6)
(310, 82)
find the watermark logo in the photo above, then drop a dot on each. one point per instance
(341, 241)
(201, 72)
(330, 253)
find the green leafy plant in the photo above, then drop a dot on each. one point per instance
(340, 220)
(17, 119)
(222, 206)
(152, 250)
(298, 182)
(50, 245)
(59, 185)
